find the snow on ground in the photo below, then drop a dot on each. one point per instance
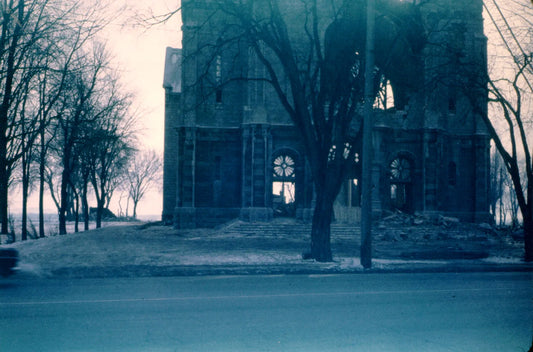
(133, 245)
(503, 260)
(121, 245)
(241, 258)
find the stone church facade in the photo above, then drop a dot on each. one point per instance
(234, 153)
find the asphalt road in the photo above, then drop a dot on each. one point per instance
(362, 312)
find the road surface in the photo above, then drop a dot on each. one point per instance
(361, 312)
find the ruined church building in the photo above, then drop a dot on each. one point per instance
(233, 153)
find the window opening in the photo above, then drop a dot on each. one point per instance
(284, 166)
(356, 158)
(332, 151)
(385, 97)
(218, 69)
(284, 190)
(218, 74)
(283, 185)
(400, 189)
(347, 150)
(354, 193)
(452, 105)
(400, 170)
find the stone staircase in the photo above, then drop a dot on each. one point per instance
(391, 239)
(387, 231)
(284, 227)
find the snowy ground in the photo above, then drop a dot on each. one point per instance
(136, 245)
(126, 245)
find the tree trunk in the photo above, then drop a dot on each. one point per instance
(77, 214)
(41, 191)
(134, 210)
(9, 75)
(528, 236)
(64, 203)
(85, 207)
(24, 215)
(99, 212)
(4, 175)
(321, 230)
(25, 191)
(4, 197)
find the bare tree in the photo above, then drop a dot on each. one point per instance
(110, 162)
(109, 142)
(73, 33)
(14, 19)
(74, 115)
(25, 30)
(510, 91)
(29, 132)
(143, 173)
(90, 135)
(46, 64)
(37, 41)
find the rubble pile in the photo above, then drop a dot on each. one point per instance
(424, 237)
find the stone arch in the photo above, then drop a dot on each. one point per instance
(401, 178)
(286, 167)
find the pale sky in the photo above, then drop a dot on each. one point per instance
(139, 53)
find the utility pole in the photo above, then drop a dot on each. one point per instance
(366, 202)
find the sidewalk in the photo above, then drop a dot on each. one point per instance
(153, 250)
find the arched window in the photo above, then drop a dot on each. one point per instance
(284, 183)
(385, 96)
(401, 170)
(218, 75)
(284, 167)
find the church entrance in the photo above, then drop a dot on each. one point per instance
(401, 186)
(284, 184)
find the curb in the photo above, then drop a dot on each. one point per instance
(312, 268)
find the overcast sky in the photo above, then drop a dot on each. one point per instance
(140, 54)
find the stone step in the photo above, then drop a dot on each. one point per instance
(277, 229)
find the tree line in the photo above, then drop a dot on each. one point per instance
(66, 123)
